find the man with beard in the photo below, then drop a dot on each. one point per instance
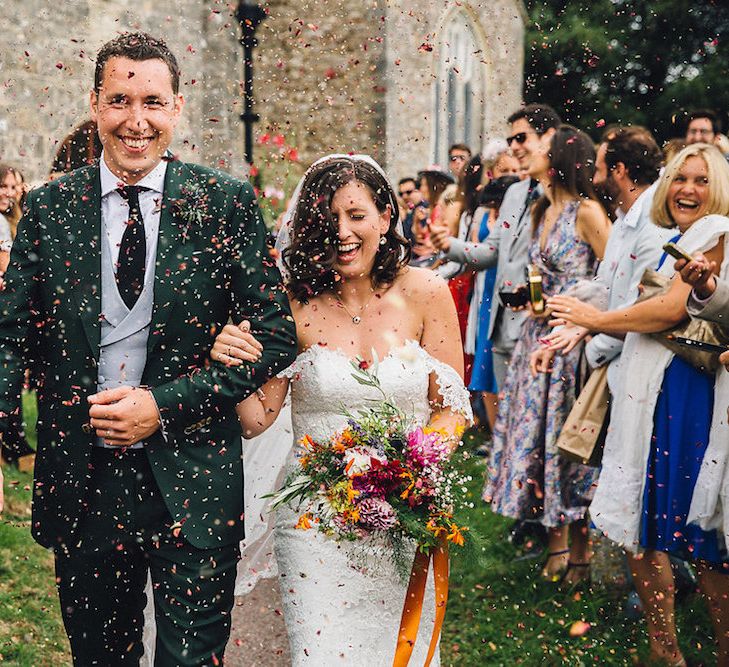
(628, 161)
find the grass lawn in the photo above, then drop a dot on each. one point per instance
(499, 614)
(31, 631)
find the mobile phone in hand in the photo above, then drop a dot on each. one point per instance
(676, 252)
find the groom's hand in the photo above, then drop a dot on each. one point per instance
(124, 416)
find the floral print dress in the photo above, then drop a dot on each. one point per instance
(527, 478)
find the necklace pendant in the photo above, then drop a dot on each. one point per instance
(356, 319)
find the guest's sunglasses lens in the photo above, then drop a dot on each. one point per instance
(405, 193)
(519, 138)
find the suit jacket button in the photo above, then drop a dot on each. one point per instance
(86, 428)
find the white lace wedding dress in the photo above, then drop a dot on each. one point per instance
(340, 606)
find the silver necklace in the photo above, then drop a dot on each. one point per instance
(356, 319)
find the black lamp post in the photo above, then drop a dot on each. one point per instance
(249, 15)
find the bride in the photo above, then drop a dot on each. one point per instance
(353, 297)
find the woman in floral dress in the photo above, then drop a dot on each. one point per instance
(527, 479)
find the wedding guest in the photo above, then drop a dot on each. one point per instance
(433, 183)
(80, 148)
(506, 247)
(12, 197)
(409, 192)
(14, 447)
(500, 172)
(702, 126)
(527, 479)
(458, 157)
(661, 434)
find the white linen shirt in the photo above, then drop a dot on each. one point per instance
(635, 244)
(115, 209)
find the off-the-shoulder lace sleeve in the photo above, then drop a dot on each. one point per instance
(301, 361)
(452, 390)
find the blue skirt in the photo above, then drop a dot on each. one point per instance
(681, 426)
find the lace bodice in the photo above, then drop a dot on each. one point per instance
(322, 387)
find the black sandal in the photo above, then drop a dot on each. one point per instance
(585, 580)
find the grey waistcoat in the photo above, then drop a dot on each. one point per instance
(124, 333)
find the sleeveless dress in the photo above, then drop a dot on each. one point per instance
(341, 605)
(482, 374)
(527, 478)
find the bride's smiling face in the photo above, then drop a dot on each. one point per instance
(360, 227)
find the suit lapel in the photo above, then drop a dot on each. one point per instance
(172, 252)
(82, 224)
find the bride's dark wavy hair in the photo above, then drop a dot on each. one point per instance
(312, 254)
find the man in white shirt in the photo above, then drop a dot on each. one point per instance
(628, 161)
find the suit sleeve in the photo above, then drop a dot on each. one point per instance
(256, 295)
(17, 303)
(715, 308)
(477, 256)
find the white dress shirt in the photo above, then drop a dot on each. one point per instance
(115, 209)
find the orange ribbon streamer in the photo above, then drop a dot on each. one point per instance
(413, 607)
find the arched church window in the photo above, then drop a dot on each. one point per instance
(458, 114)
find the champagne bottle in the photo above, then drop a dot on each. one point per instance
(534, 281)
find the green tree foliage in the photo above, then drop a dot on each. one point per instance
(600, 62)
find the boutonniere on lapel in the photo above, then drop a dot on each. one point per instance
(192, 208)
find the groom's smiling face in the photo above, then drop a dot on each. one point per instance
(136, 111)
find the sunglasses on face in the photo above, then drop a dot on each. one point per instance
(519, 137)
(457, 158)
(405, 193)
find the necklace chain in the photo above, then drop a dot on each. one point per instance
(356, 319)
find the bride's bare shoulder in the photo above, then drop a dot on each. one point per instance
(421, 285)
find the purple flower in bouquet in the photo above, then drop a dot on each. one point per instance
(425, 450)
(376, 514)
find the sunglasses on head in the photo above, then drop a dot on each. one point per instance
(519, 137)
(405, 193)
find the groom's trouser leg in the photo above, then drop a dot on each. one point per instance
(101, 577)
(101, 580)
(193, 597)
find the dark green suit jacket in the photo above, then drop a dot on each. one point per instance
(212, 264)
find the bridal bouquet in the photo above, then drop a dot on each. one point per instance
(381, 476)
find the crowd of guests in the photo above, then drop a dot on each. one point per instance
(589, 223)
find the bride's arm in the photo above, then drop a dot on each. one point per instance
(441, 338)
(234, 345)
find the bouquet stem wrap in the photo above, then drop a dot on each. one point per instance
(413, 607)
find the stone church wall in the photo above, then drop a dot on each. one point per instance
(330, 75)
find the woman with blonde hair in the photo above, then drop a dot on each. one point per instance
(664, 408)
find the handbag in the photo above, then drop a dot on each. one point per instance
(654, 284)
(583, 434)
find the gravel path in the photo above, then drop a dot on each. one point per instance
(258, 635)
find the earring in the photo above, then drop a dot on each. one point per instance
(383, 240)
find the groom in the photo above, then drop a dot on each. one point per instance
(131, 266)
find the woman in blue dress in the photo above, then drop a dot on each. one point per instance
(665, 406)
(501, 169)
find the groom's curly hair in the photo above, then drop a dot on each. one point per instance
(312, 254)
